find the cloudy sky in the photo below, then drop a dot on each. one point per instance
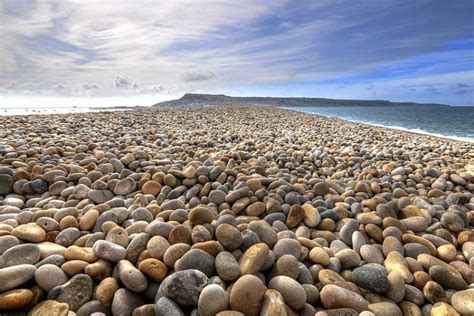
(147, 51)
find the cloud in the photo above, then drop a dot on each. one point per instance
(198, 75)
(125, 82)
(91, 86)
(184, 45)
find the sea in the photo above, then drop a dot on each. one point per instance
(454, 122)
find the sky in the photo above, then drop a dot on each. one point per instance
(113, 52)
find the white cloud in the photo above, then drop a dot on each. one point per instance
(165, 47)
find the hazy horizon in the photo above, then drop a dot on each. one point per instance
(122, 53)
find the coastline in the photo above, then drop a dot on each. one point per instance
(394, 127)
(289, 108)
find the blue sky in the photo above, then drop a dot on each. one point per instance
(147, 51)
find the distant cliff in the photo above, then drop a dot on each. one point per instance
(192, 99)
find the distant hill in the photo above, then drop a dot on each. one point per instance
(193, 99)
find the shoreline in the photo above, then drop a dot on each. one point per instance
(295, 109)
(393, 127)
(289, 108)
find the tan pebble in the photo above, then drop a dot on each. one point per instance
(247, 295)
(80, 253)
(87, 221)
(396, 262)
(15, 299)
(253, 259)
(447, 253)
(105, 290)
(29, 232)
(74, 267)
(154, 269)
(443, 309)
(50, 307)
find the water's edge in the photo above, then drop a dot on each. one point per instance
(395, 127)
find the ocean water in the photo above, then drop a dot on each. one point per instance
(450, 122)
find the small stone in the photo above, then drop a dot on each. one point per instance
(228, 236)
(154, 269)
(100, 196)
(319, 256)
(217, 197)
(200, 215)
(348, 258)
(125, 302)
(105, 291)
(311, 215)
(293, 293)
(333, 296)
(463, 302)
(273, 303)
(213, 299)
(371, 254)
(184, 287)
(447, 279)
(14, 276)
(75, 292)
(48, 308)
(295, 216)
(247, 295)
(49, 276)
(109, 251)
(226, 266)
(253, 259)
(167, 307)
(6, 184)
(287, 246)
(21, 254)
(131, 277)
(29, 232)
(434, 292)
(371, 279)
(196, 259)
(151, 187)
(443, 309)
(15, 299)
(125, 186)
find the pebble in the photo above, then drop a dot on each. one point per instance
(125, 302)
(75, 292)
(109, 251)
(211, 216)
(50, 307)
(463, 302)
(21, 254)
(213, 299)
(247, 295)
(253, 259)
(371, 279)
(29, 232)
(184, 287)
(292, 292)
(49, 276)
(131, 277)
(333, 296)
(14, 276)
(226, 266)
(15, 299)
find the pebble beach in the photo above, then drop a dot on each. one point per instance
(231, 211)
